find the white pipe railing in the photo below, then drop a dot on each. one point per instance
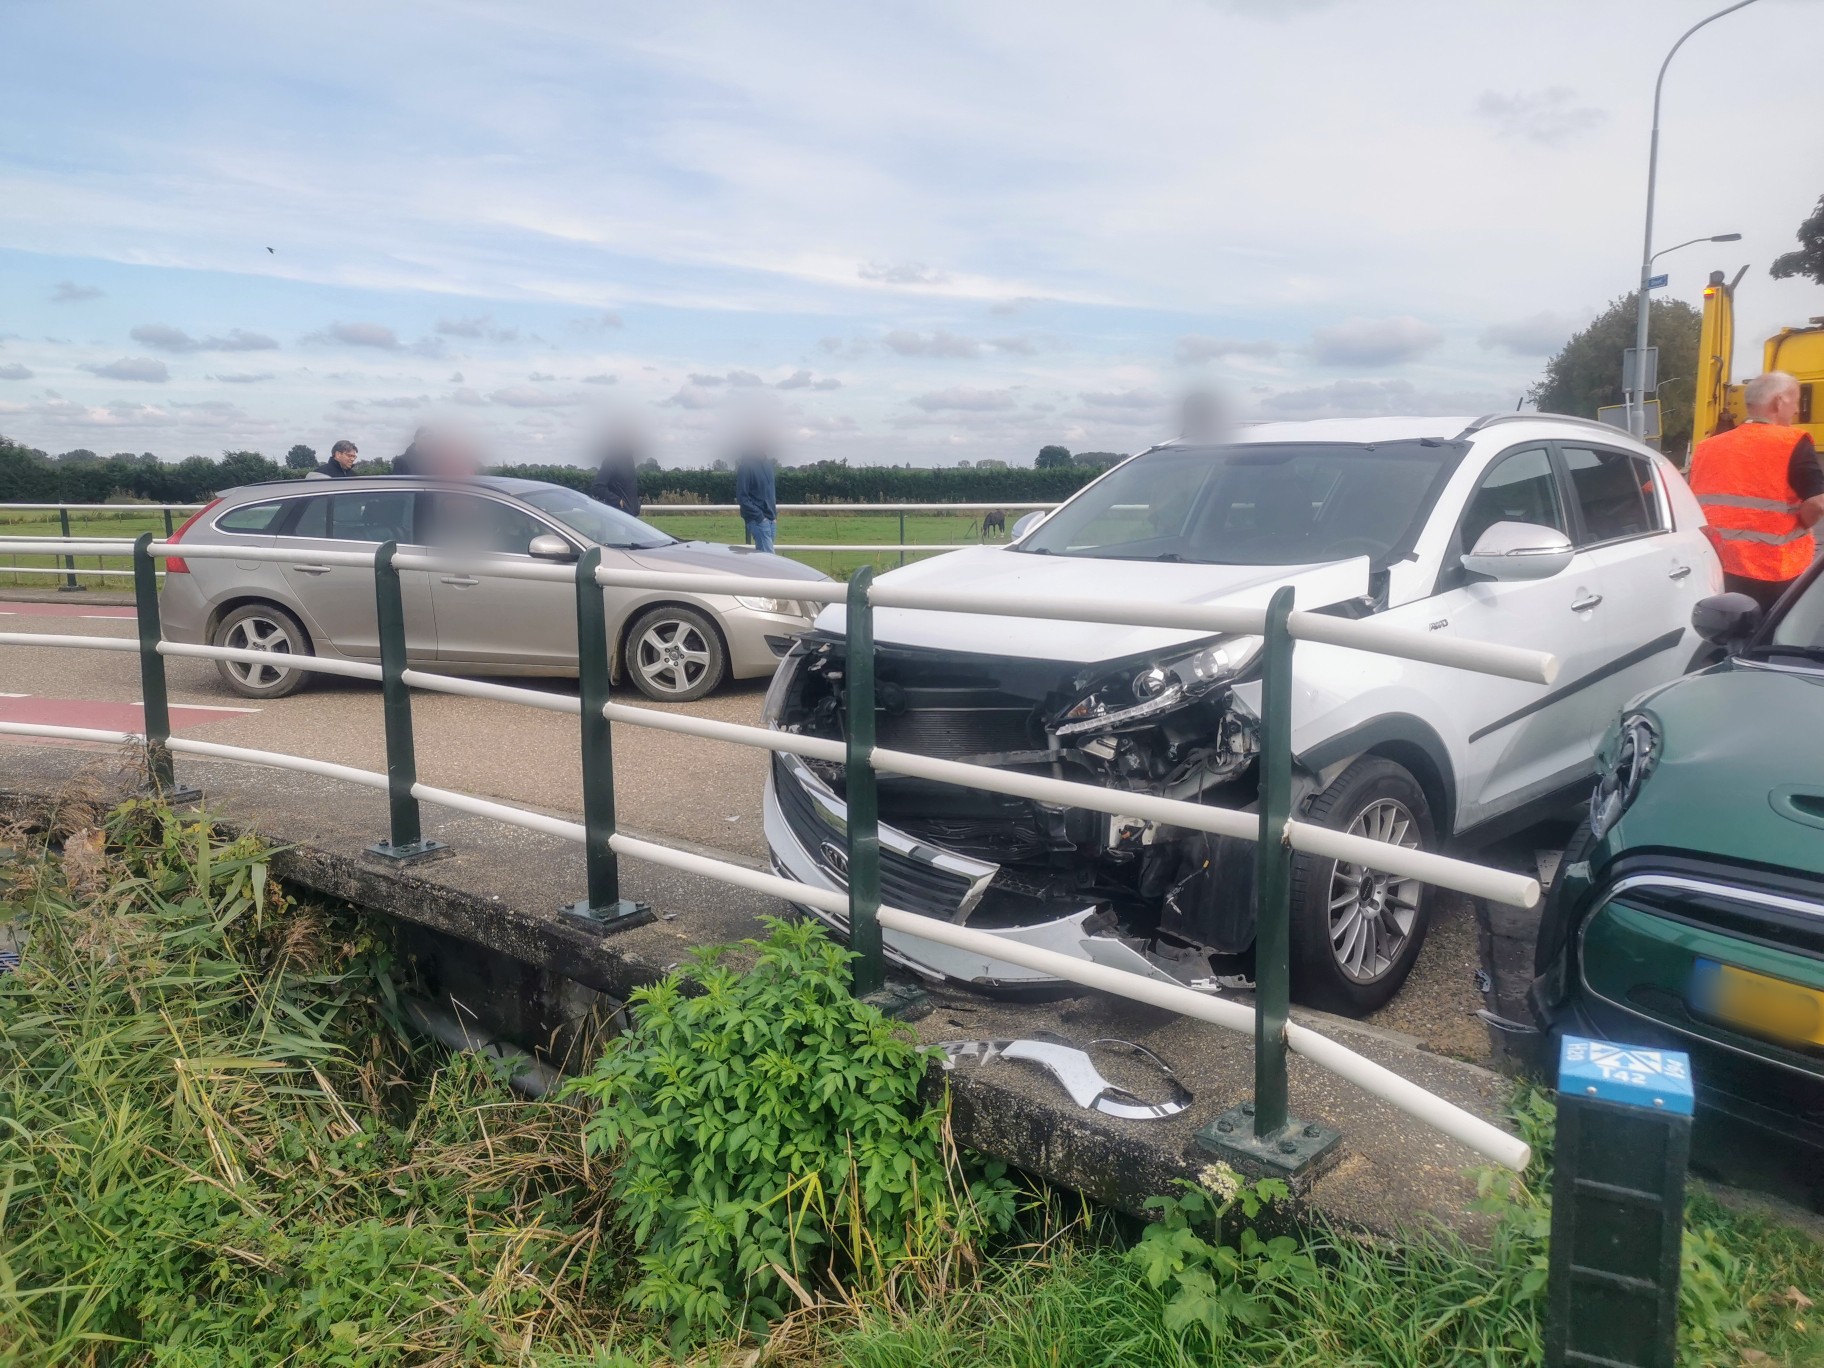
(68, 546)
(499, 693)
(1486, 657)
(124, 572)
(100, 508)
(280, 555)
(278, 660)
(94, 643)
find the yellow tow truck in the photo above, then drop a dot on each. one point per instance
(1797, 351)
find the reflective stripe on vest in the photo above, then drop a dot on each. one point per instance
(1741, 479)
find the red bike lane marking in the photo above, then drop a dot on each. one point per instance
(65, 610)
(103, 714)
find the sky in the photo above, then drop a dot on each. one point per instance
(893, 232)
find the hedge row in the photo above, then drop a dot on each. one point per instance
(28, 476)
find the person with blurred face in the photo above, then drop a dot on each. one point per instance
(755, 492)
(617, 479)
(341, 462)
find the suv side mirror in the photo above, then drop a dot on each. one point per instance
(1726, 620)
(1519, 551)
(549, 546)
(1025, 524)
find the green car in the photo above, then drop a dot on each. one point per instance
(1689, 912)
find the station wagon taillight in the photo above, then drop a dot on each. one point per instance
(174, 565)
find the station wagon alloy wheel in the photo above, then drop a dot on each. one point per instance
(1372, 914)
(676, 655)
(261, 627)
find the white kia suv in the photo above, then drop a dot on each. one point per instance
(1552, 533)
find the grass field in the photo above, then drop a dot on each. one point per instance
(801, 528)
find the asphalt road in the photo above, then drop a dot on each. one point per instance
(703, 792)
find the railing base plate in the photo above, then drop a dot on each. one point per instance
(175, 796)
(618, 916)
(72, 588)
(1293, 1153)
(414, 853)
(899, 1001)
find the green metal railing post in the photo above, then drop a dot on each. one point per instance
(69, 586)
(155, 697)
(860, 792)
(902, 536)
(405, 842)
(604, 905)
(1260, 1134)
(1273, 874)
(168, 524)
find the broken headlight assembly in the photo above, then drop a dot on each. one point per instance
(1631, 757)
(1157, 687)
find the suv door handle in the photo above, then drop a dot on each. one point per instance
(464, 580)
(311, 569)
(1582, 605)
(1679, 573)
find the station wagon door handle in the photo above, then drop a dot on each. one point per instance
(1679, 573)
(463, 580)
(1584, 604)
(311, 569)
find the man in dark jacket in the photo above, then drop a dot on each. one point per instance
(413, 460)
(617, 482)
(341, 462)
(754, 491)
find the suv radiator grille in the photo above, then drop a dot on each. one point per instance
(904, 882)
(951, 733)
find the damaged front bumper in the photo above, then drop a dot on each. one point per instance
(807, 829)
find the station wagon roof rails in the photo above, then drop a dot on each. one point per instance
(1489, 420)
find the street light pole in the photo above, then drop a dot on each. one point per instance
(1637, 407)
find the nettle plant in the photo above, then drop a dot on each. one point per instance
(772, 1146)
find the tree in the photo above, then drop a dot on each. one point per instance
(1053, 458)
(650, 463)
(1586, 374)
(243, 468)
(300, 457)
(1097, 460)
(719, 464)
(1808, 261)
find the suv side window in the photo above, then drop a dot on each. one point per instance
(251, 519)
(1614, 492)
(381, 516)
(1519, 487)
(467, 522)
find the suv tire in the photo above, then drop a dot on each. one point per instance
(1356, 933)
(675, 655)
(261, 626)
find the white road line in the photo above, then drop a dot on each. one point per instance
(14, 695)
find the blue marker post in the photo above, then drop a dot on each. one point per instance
(1618, 1205)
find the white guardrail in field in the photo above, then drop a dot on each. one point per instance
(1274, 1034)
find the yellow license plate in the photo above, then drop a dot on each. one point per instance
(1759, 1004)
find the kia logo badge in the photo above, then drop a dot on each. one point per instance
(835, 857)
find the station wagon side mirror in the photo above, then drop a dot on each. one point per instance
(1726, 620)
(1519, 551)
(549, 546)
(1025, 524)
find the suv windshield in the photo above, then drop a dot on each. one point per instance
(1800, 630)
(596, 521)
(1295, 503)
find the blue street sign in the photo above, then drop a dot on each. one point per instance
(1657, 282)
(1632, 1075)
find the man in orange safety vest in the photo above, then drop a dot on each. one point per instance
(1762, 489)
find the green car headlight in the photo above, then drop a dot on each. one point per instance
(1635, 752)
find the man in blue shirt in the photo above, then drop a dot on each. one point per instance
(754, 491)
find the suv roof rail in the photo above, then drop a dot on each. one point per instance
(1488, 420)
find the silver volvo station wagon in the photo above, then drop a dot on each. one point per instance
(674, 646)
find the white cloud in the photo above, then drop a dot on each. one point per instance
(602, 379)
(803, 379)
(939, 343)
(481, 326)
(359, 335)
(1124, 399)
(69, 292)
(964, 399)
(904, 273)
(164, 337)
(1539, 335)
(1193, 347)
(527, 396)
(12, 370)
(1373, 341)
(146, 368)
(1547, 117)
(242, 377)
(541, 377)
(1361, 398)
(743, 379)
(695, 397)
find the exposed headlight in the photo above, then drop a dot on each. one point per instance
(1158, 688)
(788, 607)
(1632, 756)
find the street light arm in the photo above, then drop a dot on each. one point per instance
(1663, 250)
(1636, 413)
